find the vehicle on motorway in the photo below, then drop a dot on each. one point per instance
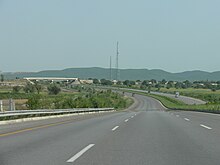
(177, 94)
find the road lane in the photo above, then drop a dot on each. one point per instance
(185, 99)
(152, 136)
(197, 118)
(52, 145)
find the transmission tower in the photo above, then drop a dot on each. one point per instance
(117, 61)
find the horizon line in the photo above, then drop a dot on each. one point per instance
(3, 72)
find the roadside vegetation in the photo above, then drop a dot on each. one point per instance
(203, 94)
(62, 95)
(95, 99)
(208, 91)
(59, 96)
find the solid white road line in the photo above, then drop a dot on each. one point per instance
(204, 126)
(71, 160)
(186, 119)
(113, 129)
(126, 120)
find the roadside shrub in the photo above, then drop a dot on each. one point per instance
(53, 89)
(29, 88)
(91, 99)
(16, 89)
(34, 102)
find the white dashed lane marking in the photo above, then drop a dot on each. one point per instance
(126, 120)
(186, 119)
(71, 160)
(116, 127)
(204, 126)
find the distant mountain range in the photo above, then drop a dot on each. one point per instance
(125, 74)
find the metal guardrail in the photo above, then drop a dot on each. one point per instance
(52, 112)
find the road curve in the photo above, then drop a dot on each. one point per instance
(185, 99)
(145, 134)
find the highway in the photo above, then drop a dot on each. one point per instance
(185, 99)
(144, 134)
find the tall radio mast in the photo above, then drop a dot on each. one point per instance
(117, 66)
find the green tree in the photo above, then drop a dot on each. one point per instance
(129, 83)
(34, 102)
(214, 89)
(145, 83)
(168, 86)
(143, 87)
(149, 89)
(163, 81)
(132, 82)
(178, 85)
(53, 89)
(29, 88)
(95, 81)
(39, 88)
(16, 89)
(158, 86)
(126, 82)
(2, 78)
(119, 83)
(105, 82)
(153, 81)
(187, 83)
(138, 82)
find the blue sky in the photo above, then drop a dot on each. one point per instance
(172, 35)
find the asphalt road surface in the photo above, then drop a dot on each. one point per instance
(145, 134)
(185, 99)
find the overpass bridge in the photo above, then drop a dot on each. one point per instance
(52, 79)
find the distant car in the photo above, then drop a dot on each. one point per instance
(177, 94)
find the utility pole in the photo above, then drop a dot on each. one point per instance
(117, 61)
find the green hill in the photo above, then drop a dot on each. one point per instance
(130, 74)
